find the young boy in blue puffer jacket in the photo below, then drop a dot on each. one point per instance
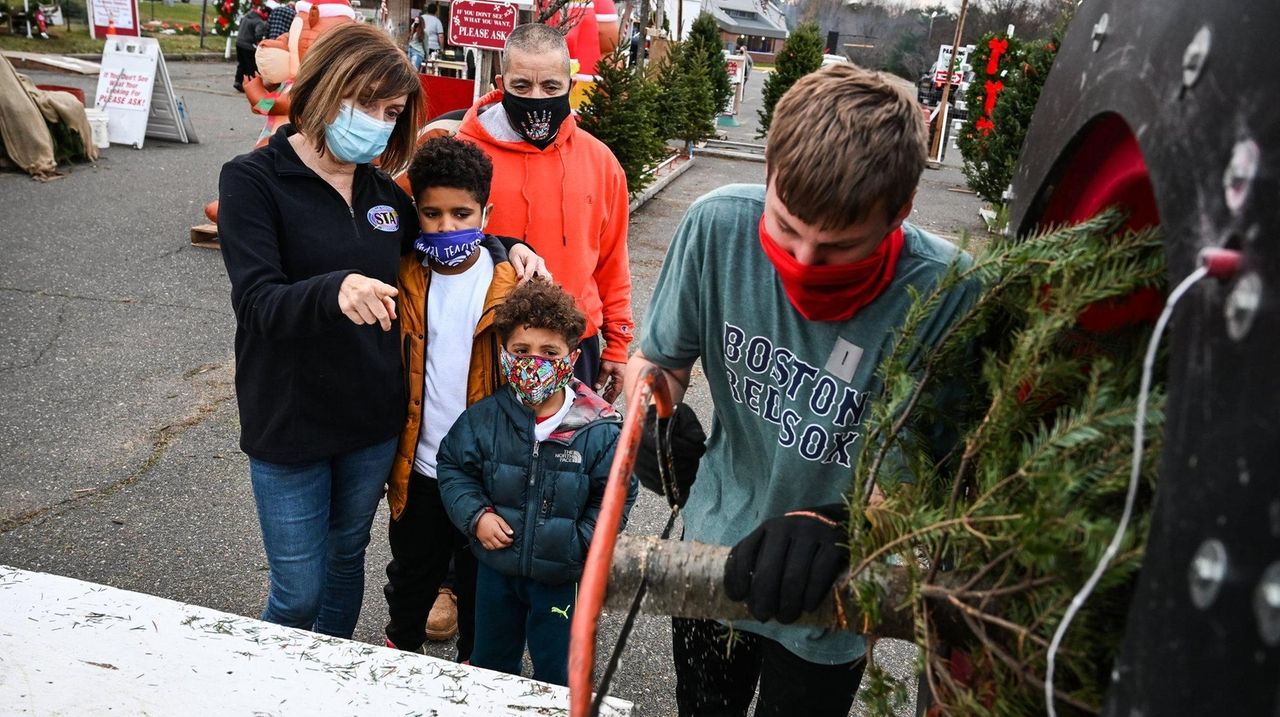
(523, 473)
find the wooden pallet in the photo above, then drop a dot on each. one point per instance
(50, 63)
(205, 236)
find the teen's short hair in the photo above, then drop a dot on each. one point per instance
(539, 304)
(845, 141)
(356, 61)
(451, 162)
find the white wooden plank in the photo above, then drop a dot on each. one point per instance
(77, 648)
(41, 61)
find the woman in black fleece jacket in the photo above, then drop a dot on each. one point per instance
(311, 235)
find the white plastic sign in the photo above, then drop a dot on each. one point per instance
(124, 87)
(135, 92)
(944, 60)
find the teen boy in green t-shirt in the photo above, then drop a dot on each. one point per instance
(790, 294)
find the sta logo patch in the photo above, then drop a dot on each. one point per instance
(383, 218)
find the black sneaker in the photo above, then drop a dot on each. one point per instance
(388, 643)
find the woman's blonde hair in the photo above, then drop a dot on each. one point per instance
(359, 62)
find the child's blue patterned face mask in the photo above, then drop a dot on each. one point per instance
(449, 248)
(537, 378)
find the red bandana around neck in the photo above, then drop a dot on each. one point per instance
(834, 293)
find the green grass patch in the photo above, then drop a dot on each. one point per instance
(180, 12)
(77, 41)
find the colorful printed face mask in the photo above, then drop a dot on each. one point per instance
(536, 378)
(449, 248)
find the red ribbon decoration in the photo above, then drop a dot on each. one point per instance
(998, 47)
(993, 91)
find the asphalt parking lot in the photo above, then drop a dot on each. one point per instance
(118, 428)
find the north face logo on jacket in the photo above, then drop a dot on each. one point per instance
(569, 456)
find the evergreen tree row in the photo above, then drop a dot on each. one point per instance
(622, 111)
(635, 112)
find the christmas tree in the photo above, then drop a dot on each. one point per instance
(801, 54)
(1001, 99)
(1000, 532)
(686, 107)
(621, 111)
(229, 14)
(705, 48)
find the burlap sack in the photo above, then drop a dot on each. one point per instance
(23, 113)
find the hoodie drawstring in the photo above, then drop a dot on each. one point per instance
(564, 178)
(528, 203)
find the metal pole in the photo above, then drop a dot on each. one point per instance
(487, 67)
(679, 20)
(204, 11)
(26, 14)
(944, 112)
(941, 126)
(644, 33)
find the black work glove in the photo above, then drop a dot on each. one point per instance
(789, 563)
(688, 443)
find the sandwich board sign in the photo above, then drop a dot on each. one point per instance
(135, 91)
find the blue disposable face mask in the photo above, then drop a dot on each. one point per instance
(355, 136)
(449, 248)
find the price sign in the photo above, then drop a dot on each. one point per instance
(940, 78)
(118, 16)
(474, 23)
(736, 65)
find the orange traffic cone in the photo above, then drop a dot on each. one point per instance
(111, 25)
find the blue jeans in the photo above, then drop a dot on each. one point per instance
(510, 610)
(315, 520)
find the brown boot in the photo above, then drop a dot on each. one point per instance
(442, 623)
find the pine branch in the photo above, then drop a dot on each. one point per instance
(1020, 508)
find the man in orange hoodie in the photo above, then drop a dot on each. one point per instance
(561, 191)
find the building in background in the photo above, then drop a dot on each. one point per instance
(762, 24)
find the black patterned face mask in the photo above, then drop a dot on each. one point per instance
(537, 120)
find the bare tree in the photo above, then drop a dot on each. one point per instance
(889, 36)
(1030, 18)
